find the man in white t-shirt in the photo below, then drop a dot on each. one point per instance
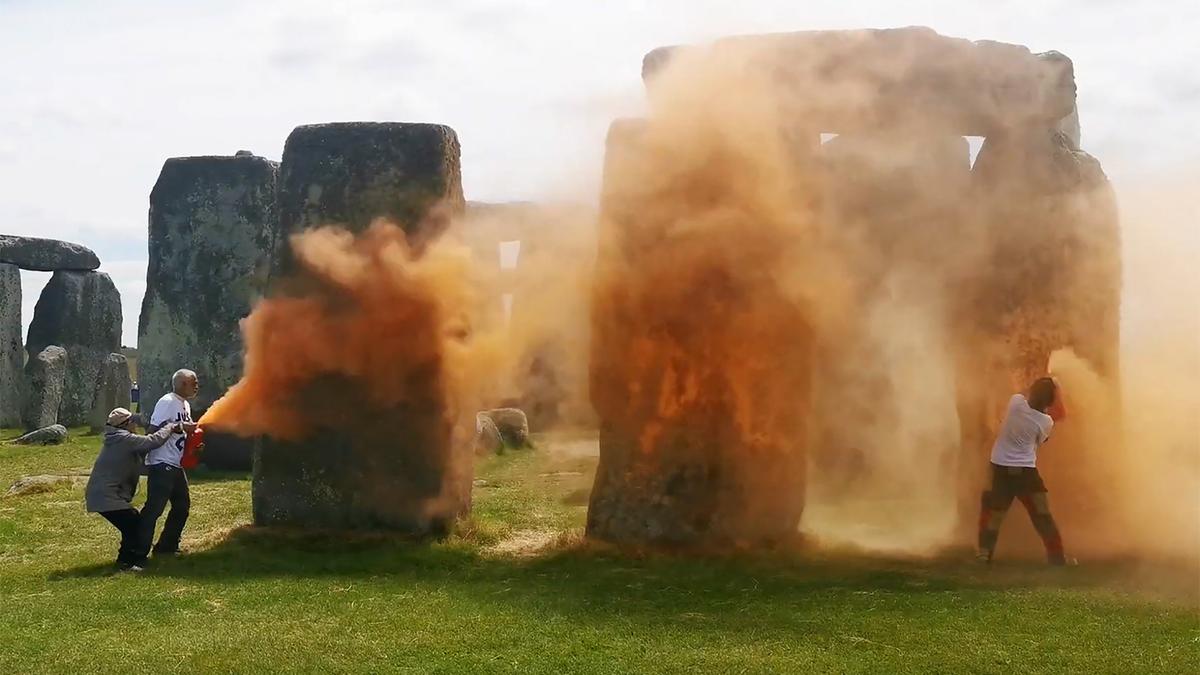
(1027, 425)
(166, 480)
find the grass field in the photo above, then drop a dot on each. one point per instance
(517, 590)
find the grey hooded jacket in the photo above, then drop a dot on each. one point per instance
(115, 475)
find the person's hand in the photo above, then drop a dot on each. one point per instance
(188, 427)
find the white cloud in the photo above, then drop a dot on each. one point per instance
(97, 95)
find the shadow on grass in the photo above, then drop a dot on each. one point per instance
(86, 572)
(594, 570)
(734, 592)
(205, 475)
(786, 595)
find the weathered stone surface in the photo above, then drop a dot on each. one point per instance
(352, 173)
(213, 226)
(674, 388)
(1050, 228)
(512, 425)
(1050, 218)
(488, 440)
(113, 387)
(46, 255)
(365, 475)
(995, 268)
(80, 312)
(367, 466)
(227, 452)
(499, 429)
(30, 485)
(51, 435)
(12, 354)
(898, 77)
(45, 378)
(1069, 126)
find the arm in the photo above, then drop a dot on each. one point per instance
(1044, 432)
(144, 444)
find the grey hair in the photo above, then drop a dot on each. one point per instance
(180, 376)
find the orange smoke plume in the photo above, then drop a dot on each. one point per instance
(368, 312)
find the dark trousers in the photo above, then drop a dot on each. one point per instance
(164, 483)
(1025, 484)
(126, 521)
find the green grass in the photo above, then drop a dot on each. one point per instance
(517, 590)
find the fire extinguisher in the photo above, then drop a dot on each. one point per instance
(1058, 409)
(191, 449)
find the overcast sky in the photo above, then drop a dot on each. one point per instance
(95, 95)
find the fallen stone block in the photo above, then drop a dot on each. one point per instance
(51, 435)
(512, 426)
(29, 485)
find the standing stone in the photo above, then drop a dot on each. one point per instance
(46, 255)
(113, 387)
(11, 353)
(352, 173)
(225, 451)
(81, 312)
(213, 224)
(1054, 251)
(702, 437)
(45, 378)
(394, 467)
(1049, 214)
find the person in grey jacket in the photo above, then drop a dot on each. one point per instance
(114, 480)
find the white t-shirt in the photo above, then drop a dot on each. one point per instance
(170, 408)
(1024, 429)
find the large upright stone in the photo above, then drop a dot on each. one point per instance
(81, 312)
(51, 435)
(213, 226)
(113, 387)
(45, 377)
(46, 255)
(1053, 246)
(11, 354)
(699, 366)
(352, 173)
(364, 466)
(1050, 218)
